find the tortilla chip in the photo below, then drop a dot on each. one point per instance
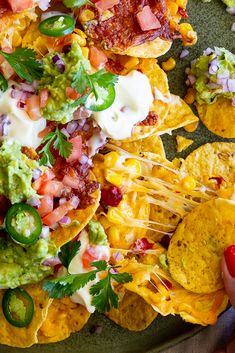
(212, 164)
(134, 313)
(152, 143)
(26, 336)
(179, 115)
(151, 49)
(219, 117)
(196, 249)
(79, 219)
(64, 317)
(182, 143)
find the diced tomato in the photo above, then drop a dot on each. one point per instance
(70, 181)
(6, 69)
(77, 149)
(97, 57)
(104, 5)
(182, 12)
(48, 175)
(91, 254)
(19, 5)
(72, 93)
(142, 245)
(43, 95)
(57, 214)
(33, 107)
(53, 187)
(147, 20)
(46, 205)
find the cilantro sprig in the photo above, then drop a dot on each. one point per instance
(60, 143)
(77, 3)
(68, 251)
(24, 63)
(103, 295)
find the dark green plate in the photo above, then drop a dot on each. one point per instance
(213, 26)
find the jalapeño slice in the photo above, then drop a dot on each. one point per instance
(106, 98)
(18, 307)
(23, 223)
(3, 83)
(57, 26)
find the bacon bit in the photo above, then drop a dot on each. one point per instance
(104, 5)
(114, 66)
(147, 20)
(111, 196)
(182, 12)
(97, 58)
(30, 152)
(219, 180)
(142, 245)
(151, 120)
(43, 95)
(71, 93)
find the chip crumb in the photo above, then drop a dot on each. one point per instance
(182, 143)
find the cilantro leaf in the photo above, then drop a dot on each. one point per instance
(77, 3)
(24, 63)
(103, 78)
(60, 143)
(68, 251)
(81, 80)
(103, 294)
(100, 265)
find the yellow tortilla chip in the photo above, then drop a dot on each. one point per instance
(151, 49)
(79, 218)
(196, 249)
(212, 164)
(182, 143)
(134, 313)
(219, 117)
(64, 317)
(26, 336)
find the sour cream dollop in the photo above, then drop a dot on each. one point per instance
(21, 129)
(132, 103)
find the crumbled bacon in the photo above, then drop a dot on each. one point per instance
(122, 30)
(114, 66)
(151, 120)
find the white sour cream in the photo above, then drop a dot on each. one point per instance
(22, 129)
(131, 105)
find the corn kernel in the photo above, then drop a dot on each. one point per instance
(113, 177)
(110, 159)
(80, 32)
(114, 216)
(16, 39)
(129, 62)
(113, 236)
(85, 52)
(181, 3)
(134, 167)
(190, 96)
(79, 39)
(169, 65)
(86, 15)
(188, 183)
(189, 36)
(104, 221)
(173, 8)
(191, 127)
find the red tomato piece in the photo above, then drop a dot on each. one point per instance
(33, 107)
(77, 149)
(48, 175)
(72, 93)
(97, 57)
(52, 187)
(106, 4)
(147, 20)
(46, 205)
(229, 255)
(70, 181)
(44, 95)
(19, 5)
(57, 214)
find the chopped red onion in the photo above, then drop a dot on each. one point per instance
(233, 102)
(59, 63)
(45, 232)
(75, 201)
(62, 201)
(81, 113)
(208, 51)
(65, 221)
(184, 53)
(118, 256)
(65, 132)
(224, 74)
(192, 79)
(231, 10)
(86, 127)
(36, 173)
(27, 87)
(218, 51)
(71, 127)
(84, 159)
(231, 85)
(213, 67)
(4, 125)
(53, 261)
(114, 271)
(43, 4)
(233, 27)
(20, 105)
(16, 94)
(34, 202)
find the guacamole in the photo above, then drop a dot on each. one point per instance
(97, 234)
(58, 106)
(213, 75)
(16, 172)
(229, 3)
(19, 266)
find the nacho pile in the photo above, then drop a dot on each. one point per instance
(93, 215)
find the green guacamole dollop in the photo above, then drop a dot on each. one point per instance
(19, 266)
(229, 3)
(16, 172)
(58, 107)
(211, 85)
(97, 235)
